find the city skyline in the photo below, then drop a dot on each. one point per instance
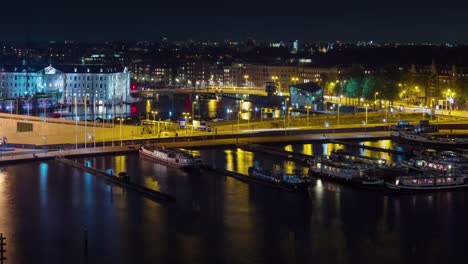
(318, 22)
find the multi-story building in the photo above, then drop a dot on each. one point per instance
(286, 76)
(72, 82)
(258, 75)
(160, 73)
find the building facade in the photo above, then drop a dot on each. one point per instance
(106, 85)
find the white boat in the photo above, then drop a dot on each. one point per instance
(449, 161)
(170, 156)
(345, 172)
(428, 182)
(429, 140)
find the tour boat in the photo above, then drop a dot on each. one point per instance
(290, 181)
(345, 172)
(170, 156)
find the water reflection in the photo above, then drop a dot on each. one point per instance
(43, 173)
(218, 219)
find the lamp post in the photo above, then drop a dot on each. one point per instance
(366, 105)
(339, 105)
(120, 119)
(375, 100)
(308, 107)
(76, 124)
(386, 113)
(285, 110)
(85, 121)
(154, 121)
(246, 77)
(193, 108)
(238, 114)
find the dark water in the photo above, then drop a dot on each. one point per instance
(44, 208)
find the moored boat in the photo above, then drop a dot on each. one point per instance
(170, 156)
(293, 181)
(381, 168)
(346, 172)
(430, 140)
(428, 183)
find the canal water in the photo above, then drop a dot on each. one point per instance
(168, 107)
(45, 208)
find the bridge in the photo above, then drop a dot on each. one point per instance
(215, 90)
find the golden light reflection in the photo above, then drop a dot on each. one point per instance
(244, 161)
(288, 166)
(229, 160)
(212, 108)
(307, 149)
(152, 184)
(148, 106)
(385, 144)
(120, 164)
(288, 148)
(329, 147)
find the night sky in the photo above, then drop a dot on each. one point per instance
(390, 21)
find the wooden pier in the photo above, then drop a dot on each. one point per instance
(151, 194)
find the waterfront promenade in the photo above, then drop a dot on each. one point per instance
(21, 155)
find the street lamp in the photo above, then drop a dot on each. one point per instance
(375, 100)
(248, 118)
(308, 107)
(238, 113)
(120, 119)
(294, 79)
(289, 115)
(246, 77)
(193, 108)
(154, 121)
(339, 105)
(386, 113)
(366, 105)
(285, 110)
(274, 78)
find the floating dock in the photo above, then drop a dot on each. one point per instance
(151, 194)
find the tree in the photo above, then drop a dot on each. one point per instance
(353, 88)
(368, 87)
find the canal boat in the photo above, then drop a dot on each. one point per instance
(345, 172)
(429, 140)
(428, 182)
(170, 156)
(294, 181)
(381, 168)
(445, 161)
